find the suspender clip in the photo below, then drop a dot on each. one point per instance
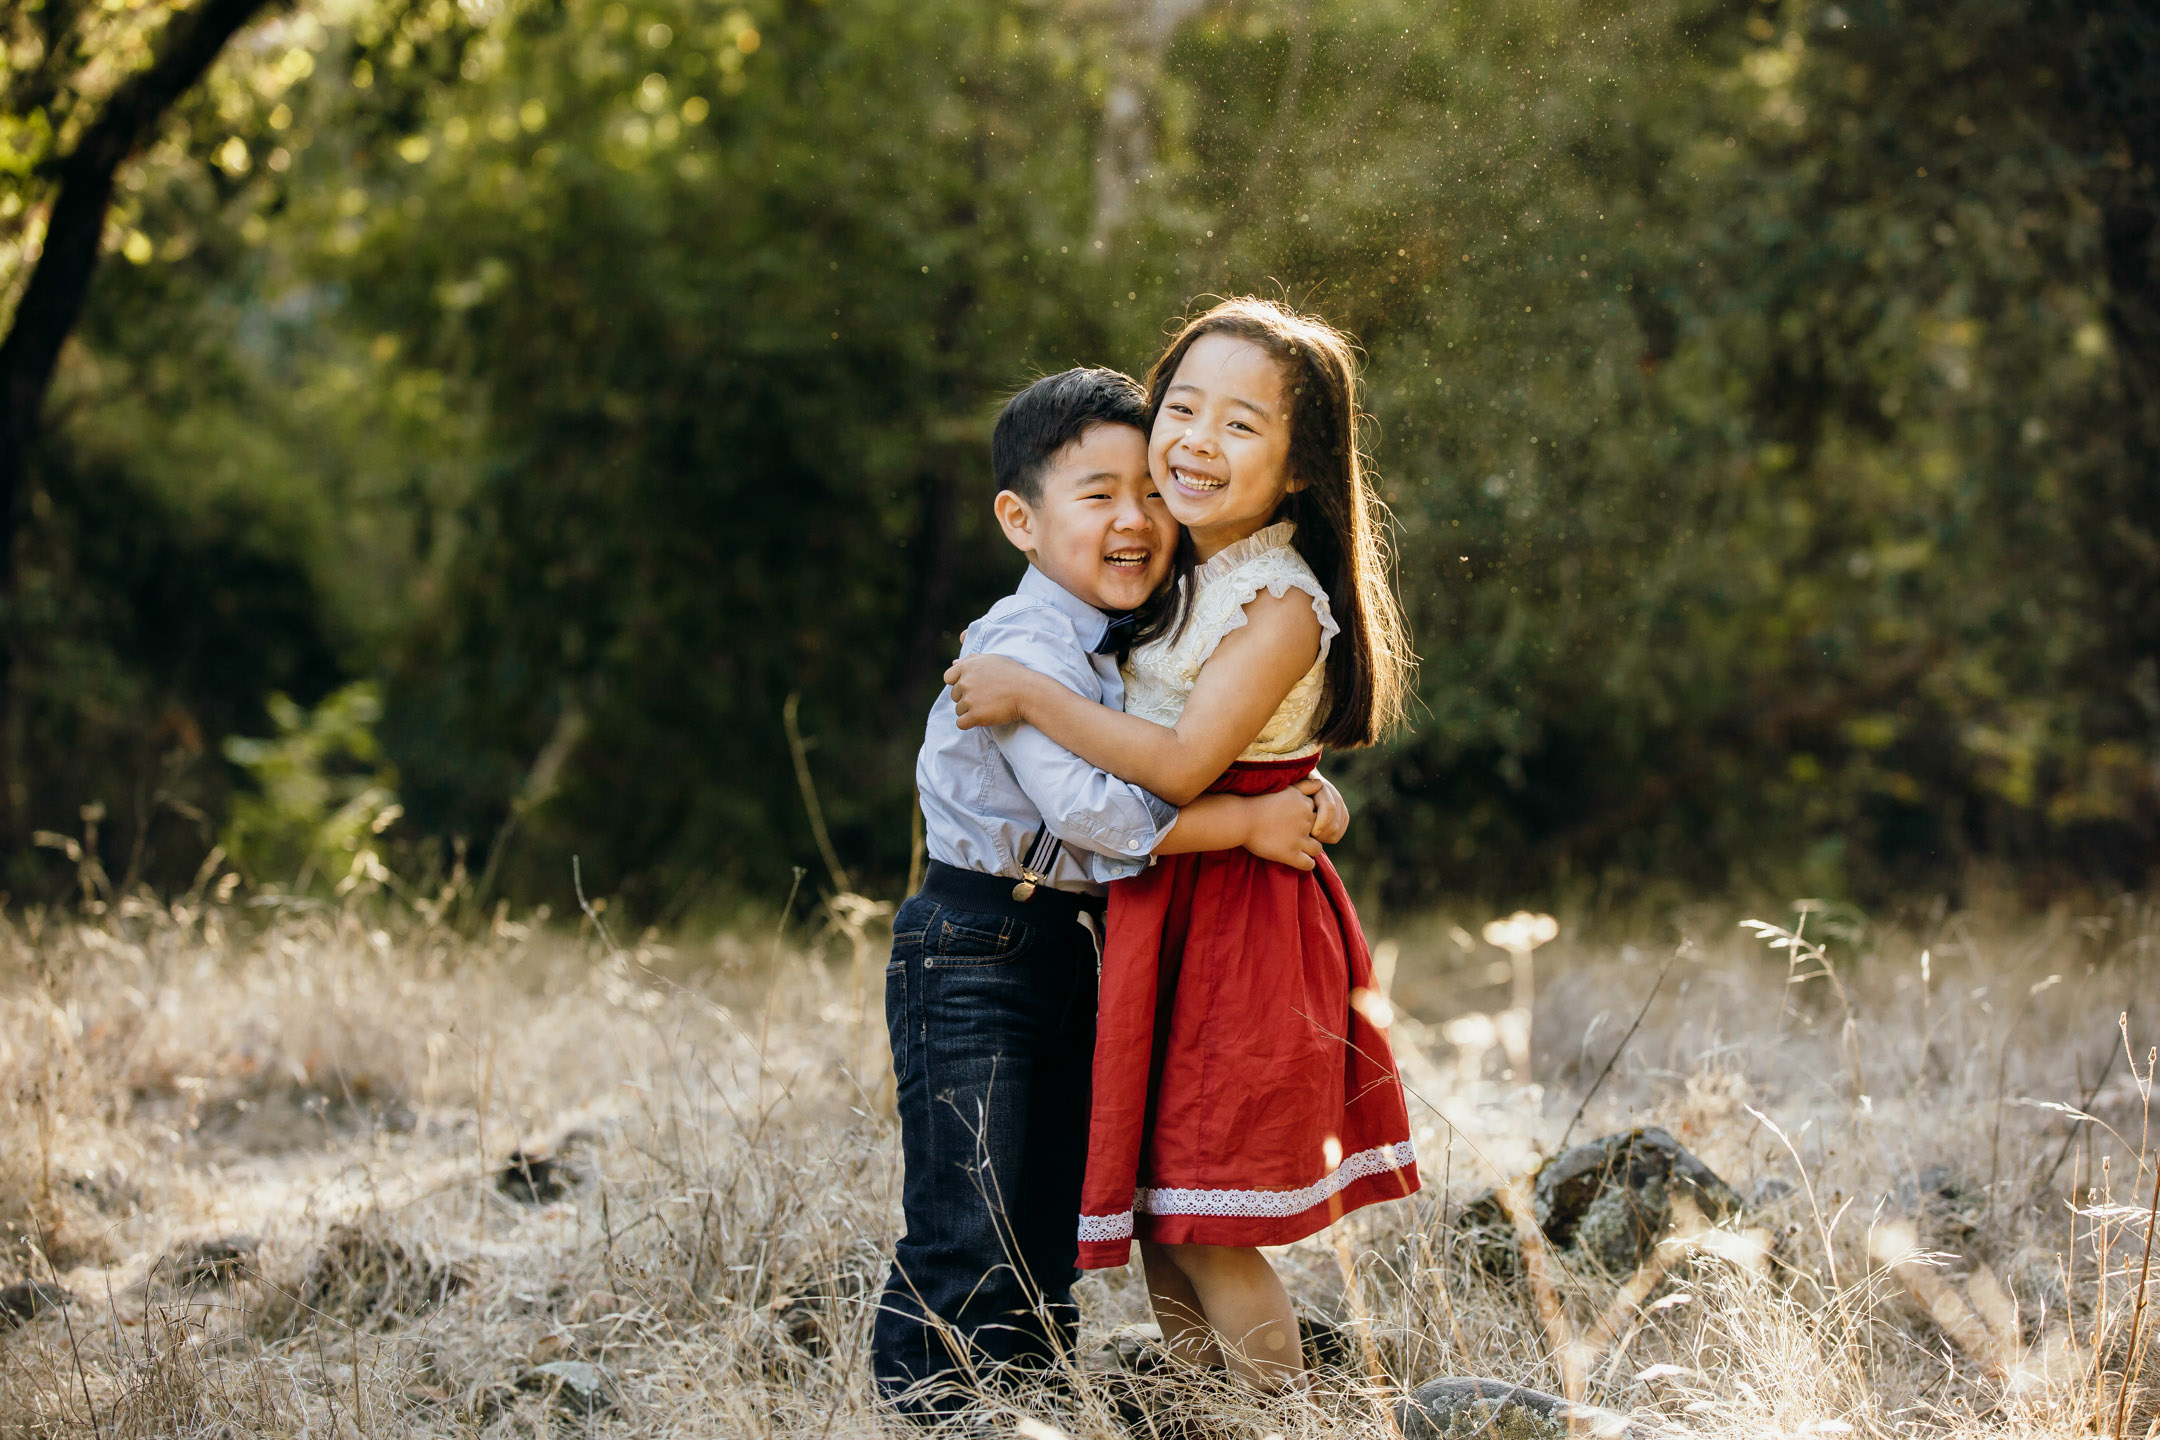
(1035, 870)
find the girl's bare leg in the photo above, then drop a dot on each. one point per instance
(1244, 1304)
(1177, 1308)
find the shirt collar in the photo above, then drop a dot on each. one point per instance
(1090, 622)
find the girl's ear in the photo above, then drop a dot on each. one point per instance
(1017, 519)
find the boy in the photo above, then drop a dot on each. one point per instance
(990, 993)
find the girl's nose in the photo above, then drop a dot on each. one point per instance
(1199, 442)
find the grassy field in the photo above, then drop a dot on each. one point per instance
(344, 1088)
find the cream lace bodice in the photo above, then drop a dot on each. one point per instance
(1160, 675)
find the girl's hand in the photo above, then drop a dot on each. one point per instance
(1282, 829)
(1331, 817)
(990, 690)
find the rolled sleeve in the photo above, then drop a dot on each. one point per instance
(1082, 805)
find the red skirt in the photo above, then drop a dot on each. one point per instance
(1244, 1094)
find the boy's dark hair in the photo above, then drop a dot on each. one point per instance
(1052, 413)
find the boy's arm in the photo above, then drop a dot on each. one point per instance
(1082, 805)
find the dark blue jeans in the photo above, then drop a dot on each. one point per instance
(991, 1006)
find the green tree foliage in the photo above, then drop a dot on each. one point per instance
(1757, 387)
(321, 791)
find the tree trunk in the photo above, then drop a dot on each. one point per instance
(1125, 150)
(53, 300)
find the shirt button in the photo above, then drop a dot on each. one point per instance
(1137, 846)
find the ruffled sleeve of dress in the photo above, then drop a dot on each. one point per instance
(1234, 577)
(1159, 676)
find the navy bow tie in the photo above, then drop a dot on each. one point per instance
(1117, 635)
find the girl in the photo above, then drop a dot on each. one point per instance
(1244, 1094)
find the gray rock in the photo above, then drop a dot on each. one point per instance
(1606, 1200)
(578, 1386)
(533, 1179)
(1610, 1198)
(1463, 1407)
(218, 1261)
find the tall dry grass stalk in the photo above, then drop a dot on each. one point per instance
(1949, 1178)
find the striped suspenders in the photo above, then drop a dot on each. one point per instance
(1035, 869)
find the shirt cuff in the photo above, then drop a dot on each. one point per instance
(1131, 844)
(1162, 812)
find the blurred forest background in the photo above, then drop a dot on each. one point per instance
(487, 416)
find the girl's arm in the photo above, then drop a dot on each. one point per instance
(1239, 688)
(1278, 827)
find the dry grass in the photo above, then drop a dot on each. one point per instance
(347, 1089)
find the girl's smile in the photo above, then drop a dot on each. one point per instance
(1221, 446)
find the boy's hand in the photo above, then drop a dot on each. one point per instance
(1331, 819)
(989, 690)
(1282, 828)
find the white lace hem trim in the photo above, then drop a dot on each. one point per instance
(1251, 1204)
(1106, 1227)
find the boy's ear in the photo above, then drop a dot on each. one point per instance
(1017, 519)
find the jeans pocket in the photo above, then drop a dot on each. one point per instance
(903, 1021)
(956, 939)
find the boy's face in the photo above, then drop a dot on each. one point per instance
(1101, 530)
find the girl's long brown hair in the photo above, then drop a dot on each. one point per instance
(1340, 520)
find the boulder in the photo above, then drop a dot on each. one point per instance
(1611, 1198)
(218, 1261)
(532, 1179)
(577, 1386)
(1606, 1201)
(1463, 1407)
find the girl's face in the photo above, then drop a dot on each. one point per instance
(1220, 451)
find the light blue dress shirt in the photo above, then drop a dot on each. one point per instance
(988, 793)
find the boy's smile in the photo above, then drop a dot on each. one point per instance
(1101, 529)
